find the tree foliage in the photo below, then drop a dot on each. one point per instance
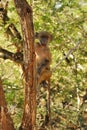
(67, 21)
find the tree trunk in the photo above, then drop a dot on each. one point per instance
(6, 122)
(29, 66)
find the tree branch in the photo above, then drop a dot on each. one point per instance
(16, 57)
(6, 122)
(67, 55)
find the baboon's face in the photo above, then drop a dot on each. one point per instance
(44, 40)
(44, 37)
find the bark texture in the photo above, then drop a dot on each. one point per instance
(6, 122)
(26, 19)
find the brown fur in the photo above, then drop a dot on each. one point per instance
(43, 57)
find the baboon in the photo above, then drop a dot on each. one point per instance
(43, 57)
